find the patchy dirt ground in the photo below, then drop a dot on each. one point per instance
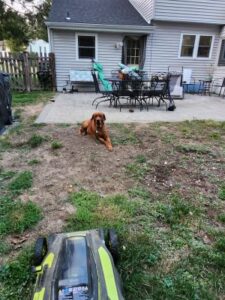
(176, 156)
(175, 174)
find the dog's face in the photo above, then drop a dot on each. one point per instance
(99, 119)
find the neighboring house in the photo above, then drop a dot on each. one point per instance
(154, 34)
(38, 46)
(3, 47)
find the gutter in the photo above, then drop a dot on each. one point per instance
(100, 27)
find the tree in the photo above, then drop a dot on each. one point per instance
(13, 27)
(17, 28)
(37, 20)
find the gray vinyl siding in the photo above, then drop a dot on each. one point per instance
(165, 45)
(145, 8)
(199, 11)
(63, 43)
(148, 53)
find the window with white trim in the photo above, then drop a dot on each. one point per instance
(196, 46)
(188, 44)
(86, 46)
(204, 46)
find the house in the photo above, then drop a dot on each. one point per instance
(38, 46)
(153, 34)
(3, 47)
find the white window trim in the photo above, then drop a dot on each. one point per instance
(196, 46)
(96, 45)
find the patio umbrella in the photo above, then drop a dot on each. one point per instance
(99, 68)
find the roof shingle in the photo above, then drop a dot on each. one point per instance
(109, 12)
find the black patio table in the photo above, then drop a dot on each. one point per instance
(131, 89)
(141, 91)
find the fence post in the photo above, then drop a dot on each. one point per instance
(52, 70)
(26, 71)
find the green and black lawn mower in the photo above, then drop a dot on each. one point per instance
(77, 266)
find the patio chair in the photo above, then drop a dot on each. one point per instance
(131, 90)
(159, 90)
(106, 96)
(219, 83)
(205, 87)
(156, 91)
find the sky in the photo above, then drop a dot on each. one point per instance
(17, 5)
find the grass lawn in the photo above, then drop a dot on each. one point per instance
(162, 188)
(24, 98)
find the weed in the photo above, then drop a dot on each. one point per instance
(6, 175)
(222, 193)
(176, 211)
(22, 182)
(138, 169)
(221, 218)
(169, 138)
(4, 143)
(192, 148)
(56, 145)
(16, 277)
(122, 135)
(139, 192)
(16, 216)
(5, 248)
(63, 125)
(215, 135)
(220, 245)
(141, 159)
(35, 140)
(33, 162)
(38, 125)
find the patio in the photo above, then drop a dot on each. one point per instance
(76, 107)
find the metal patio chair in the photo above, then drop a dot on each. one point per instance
(219, 83)
(105, 96)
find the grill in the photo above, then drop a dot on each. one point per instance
(5, 101)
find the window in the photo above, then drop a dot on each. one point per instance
(204, 46)
(196, 46)
(188, 45)
(222, 54)
(86, 47)
(133, 52)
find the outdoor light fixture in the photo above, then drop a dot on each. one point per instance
(119, 45)
(68, 16)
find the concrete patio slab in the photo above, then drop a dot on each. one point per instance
(74, 108)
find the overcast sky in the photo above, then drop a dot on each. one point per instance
(16, 4)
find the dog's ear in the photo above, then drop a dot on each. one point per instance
(104, 118)
(93, 117)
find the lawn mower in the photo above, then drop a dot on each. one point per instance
(77, 265)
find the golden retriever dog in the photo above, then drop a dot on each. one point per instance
(96, 127)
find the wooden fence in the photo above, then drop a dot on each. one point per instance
(29, 72)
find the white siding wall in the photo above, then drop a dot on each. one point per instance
(199, 11)
(219, 71)
(145, 8)
(64, 45)
(165, 44)
(148, 53)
